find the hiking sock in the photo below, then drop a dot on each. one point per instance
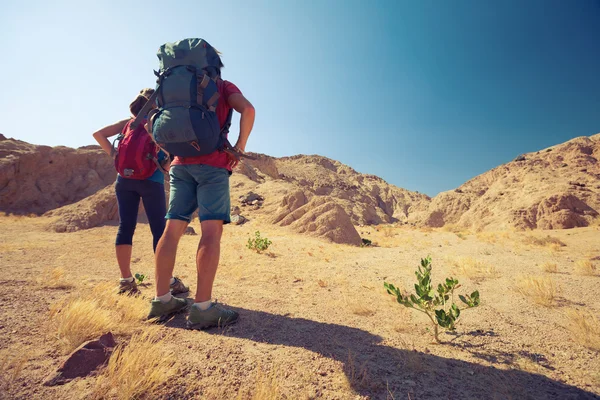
(130, 279)
(172, 281)
(203, 305)
(165, 298)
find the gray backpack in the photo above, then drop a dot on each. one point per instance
(185, 123)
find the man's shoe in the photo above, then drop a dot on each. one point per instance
(214, 316)
(163, 311)
(178, 287)
(128, 288)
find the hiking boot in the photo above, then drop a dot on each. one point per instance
(163, 311)
(128, 288)
(178, 287)
(214, 316)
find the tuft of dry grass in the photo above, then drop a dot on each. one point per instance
(548, 241)
(86, 315)
(585, 328)
(79, 320)
(322, 283)
(474, 269)
(585, 267)
(266, 386)
(361, 310)
(550, 267)
(137, 370)
(55, 279)
(542, 290)
(11, 367)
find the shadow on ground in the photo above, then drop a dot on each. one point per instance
(377, 370)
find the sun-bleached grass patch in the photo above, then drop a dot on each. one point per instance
(547, 241)
(585, 328)
(474, 269)
(585, 267)
(550, 267)
(541, 290)
(87, 314)
(137, 369)
(55, 279)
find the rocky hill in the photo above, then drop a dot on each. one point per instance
(554, 188)
(35, 179)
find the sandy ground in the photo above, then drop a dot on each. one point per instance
(316, 319)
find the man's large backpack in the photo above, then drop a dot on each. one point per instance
(136, 153)
(185, 123)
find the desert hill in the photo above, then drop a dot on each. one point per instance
(554, 188)
(35, 179)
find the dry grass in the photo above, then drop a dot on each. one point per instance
(322, 283)
(266, 386)
(548, 241)
(388, 232)
(550, 267)
(585, 267)
(361, 310)
(55, 279)
(137, 370)
(474, 269)
(79, 320)
(585, 328)
(542, 291)
(89, 314)
(11, 367)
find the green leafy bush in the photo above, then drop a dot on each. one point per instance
(438, 306)
(258, 244)
(366, 242)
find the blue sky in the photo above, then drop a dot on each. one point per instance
(425, 94)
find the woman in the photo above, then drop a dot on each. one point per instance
(129, 191)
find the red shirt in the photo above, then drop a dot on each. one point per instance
(217, 158)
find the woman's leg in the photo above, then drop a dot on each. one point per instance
(155, 205)
(128, 200)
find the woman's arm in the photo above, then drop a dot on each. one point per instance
(103, 134)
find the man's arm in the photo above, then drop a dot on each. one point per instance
(240, 104)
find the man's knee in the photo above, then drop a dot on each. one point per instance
(211, 233)
(174, 229)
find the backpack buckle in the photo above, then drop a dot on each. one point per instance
(128, 172)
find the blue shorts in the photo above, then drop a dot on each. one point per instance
(202, 187)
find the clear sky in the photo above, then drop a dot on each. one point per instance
(425, 94)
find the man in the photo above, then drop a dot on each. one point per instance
(201, 183)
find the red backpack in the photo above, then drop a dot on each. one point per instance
(136, 153)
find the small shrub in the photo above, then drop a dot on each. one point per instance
(140, 278)
(585, 267)
(440, 306)
(258, 244)
(542, 291)
(366, 242)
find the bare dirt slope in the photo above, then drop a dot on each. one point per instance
(554, 188)
(316, 322)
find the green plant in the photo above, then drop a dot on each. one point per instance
(258, 244)
(140, 278)
(365, 242)
(440, 306)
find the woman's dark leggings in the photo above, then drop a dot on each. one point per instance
(129, 192)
